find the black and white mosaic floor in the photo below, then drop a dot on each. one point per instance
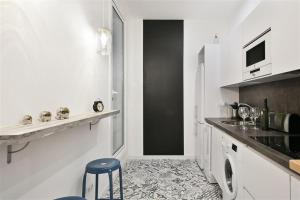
(166, 179)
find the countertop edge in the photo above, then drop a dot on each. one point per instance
(268, 152)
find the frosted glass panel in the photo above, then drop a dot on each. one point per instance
(118, 81)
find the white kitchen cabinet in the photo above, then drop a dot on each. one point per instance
(207, 161)
(295, 188)
(231, 58)
(283, 17)
(262, 179)
(207, 145)
(200, 144)
(257, 22)
(216, 154)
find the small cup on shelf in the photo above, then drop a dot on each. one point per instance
(27, 119)
(62, 113)
(45, 116)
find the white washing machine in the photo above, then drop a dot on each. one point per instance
(230, 168)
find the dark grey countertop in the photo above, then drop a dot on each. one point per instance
(243, 136)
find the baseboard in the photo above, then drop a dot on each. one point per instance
(161, 157)
(122, 156)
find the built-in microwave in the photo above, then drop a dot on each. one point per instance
(257, 56)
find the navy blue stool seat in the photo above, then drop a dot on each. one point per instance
(71, 198)
(103, 166)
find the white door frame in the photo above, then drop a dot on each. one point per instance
(115, 7)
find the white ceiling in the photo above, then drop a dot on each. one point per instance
(180, 9)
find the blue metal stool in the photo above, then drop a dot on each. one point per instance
(102, 166)
(71, 198)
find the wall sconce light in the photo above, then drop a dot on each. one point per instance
(105, 41)
(104, 35)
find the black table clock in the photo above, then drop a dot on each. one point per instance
(98, 106)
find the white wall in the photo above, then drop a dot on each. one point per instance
(134, 37)
(48, 59)
(196, 34)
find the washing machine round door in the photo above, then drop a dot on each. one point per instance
(229, 178)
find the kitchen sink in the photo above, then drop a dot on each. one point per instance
(237, 123)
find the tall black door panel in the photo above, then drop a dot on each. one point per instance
(163, 87)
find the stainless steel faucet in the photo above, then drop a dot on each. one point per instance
(244, 104)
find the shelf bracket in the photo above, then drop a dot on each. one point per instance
(10, 151)
(92, 124)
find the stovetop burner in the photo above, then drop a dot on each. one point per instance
(286, 144)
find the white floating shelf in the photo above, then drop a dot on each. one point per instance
(21, 134)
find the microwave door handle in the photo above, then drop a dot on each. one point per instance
(255, 70)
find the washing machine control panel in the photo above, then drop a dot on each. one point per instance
(234, 147)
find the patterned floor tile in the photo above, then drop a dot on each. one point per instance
(166, 179)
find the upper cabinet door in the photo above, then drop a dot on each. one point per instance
(283, 19)
(256, 23)
(231, 58)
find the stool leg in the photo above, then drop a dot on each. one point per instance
(121, 183)
(111, 191)
(84, 184)
(96, 188)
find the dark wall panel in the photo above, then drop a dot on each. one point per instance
(163, 87)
